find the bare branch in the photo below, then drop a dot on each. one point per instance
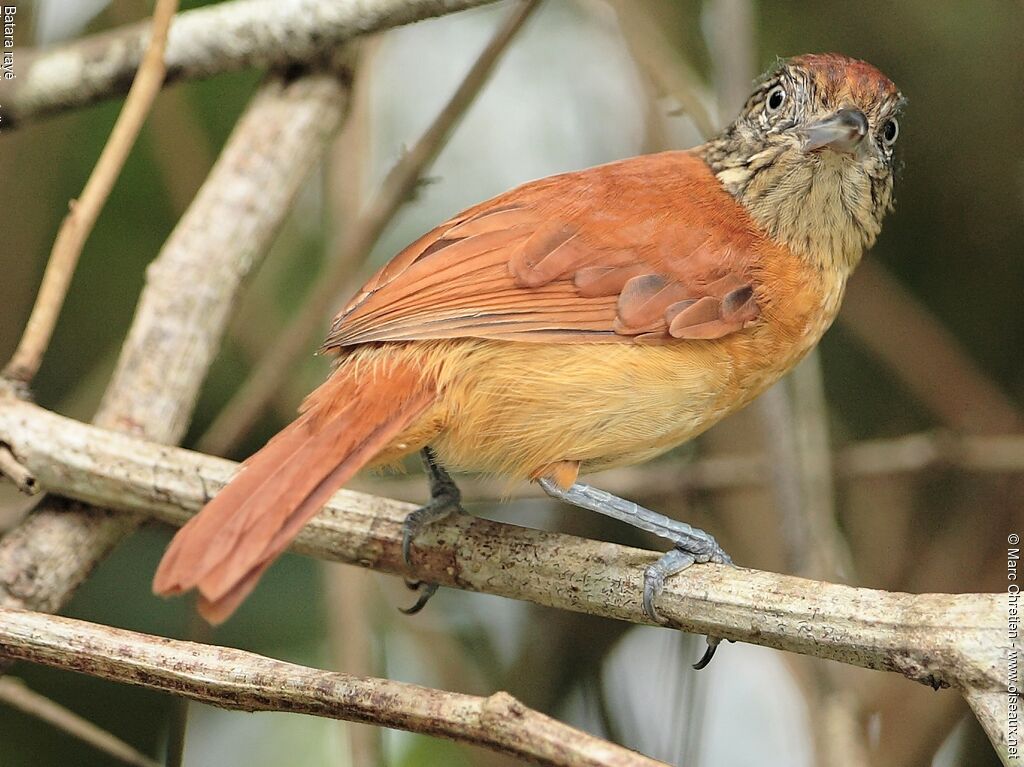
(79, 221)
(245, 681)
(16, 694)
(955, 640)
(270, 374)
(221, 38)
(190, 290)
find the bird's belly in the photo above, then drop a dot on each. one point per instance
(520, 407)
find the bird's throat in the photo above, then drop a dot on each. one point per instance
(820, 205)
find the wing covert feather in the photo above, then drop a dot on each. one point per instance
(649, 249)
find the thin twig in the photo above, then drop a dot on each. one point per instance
(244, 681)
(289, 347)
(352, 634)
(662, 63)
(14, 693)
(79, 221)
(730, 27)
(829, 555)
(181, 147)
(223, 37)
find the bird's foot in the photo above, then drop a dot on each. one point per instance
(439, 508)
(445, 500)
(672, 562)
(692, 545)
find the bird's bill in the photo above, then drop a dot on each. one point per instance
(842, 131)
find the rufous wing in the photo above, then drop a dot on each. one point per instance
(650, 250)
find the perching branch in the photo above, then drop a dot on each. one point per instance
(944, 640)
(79, 221)
(225, 37)
(182, 312)
(245, 681)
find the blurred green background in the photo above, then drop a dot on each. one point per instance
(567, 95)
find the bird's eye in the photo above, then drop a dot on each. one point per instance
(890, 131)
(776, 98)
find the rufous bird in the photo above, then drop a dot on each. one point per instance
(579, 322)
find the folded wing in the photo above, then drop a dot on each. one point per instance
(650, 249)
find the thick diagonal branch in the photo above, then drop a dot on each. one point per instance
(181, 316)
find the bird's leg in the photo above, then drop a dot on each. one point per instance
(445, 499)
(691, 544)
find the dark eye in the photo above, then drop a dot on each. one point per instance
(890, 131)
(776, 98)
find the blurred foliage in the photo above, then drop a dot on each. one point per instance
(955, 241)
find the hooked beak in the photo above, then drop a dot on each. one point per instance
(842, 131)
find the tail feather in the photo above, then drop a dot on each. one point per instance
(225, 548)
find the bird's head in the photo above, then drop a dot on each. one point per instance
(811, 155)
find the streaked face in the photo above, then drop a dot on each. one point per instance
(828, 102)
(811, 155)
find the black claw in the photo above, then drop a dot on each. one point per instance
(407, 547)
(413, 584)
(429, 589)
(652, 587)
(709, 653)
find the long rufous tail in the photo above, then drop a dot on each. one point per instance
(225, 548)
